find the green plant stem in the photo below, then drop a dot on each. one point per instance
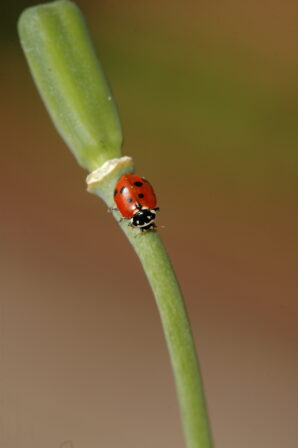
(169, 300)
(159, 271)
(162, 279)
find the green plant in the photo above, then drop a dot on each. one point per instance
(72, 84)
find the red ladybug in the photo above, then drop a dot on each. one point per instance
(136, 201)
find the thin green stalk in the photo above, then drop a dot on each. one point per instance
(72, 84)
(169, 300)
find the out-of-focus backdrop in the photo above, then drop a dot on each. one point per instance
(208, 98)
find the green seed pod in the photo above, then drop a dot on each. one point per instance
(71, 81)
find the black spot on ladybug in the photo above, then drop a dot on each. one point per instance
(129, 200)
(140, 195)
(122, 189)
(138, 184)
(145, 180)
(115, 192)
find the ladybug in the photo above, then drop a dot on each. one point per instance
(136, 201)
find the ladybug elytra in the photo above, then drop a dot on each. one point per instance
(136, 201)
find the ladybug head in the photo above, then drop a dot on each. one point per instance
(144, 218)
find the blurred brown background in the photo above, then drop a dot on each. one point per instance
(209, 102)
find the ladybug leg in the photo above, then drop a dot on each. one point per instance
(156, 209)
(130, 224)
(153, 227)
(141, 232)
(123, 219)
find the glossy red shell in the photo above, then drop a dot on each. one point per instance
(132, 191)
